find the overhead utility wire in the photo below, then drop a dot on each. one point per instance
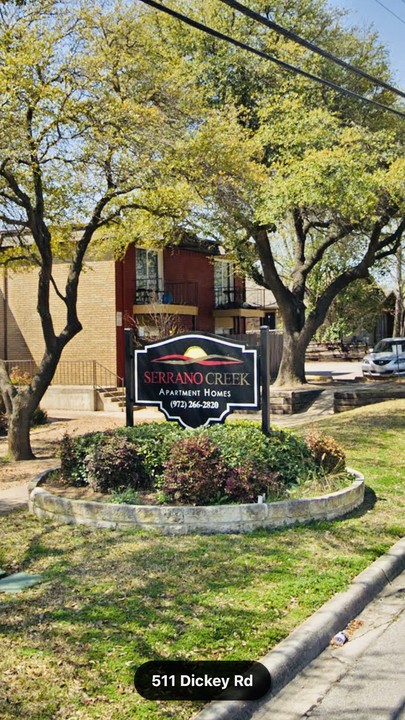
(306, 43)
(390, 11)
(266, 56)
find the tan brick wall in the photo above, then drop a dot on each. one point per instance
(96, 310)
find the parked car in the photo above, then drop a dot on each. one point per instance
(386, 358)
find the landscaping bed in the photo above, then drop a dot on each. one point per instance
(183, 519)
(224, 479)
(162, 464)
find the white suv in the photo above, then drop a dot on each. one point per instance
(386, 358)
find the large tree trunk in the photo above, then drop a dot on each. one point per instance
(399, 316)
(19, 444)
(292, 367)
(21, 405)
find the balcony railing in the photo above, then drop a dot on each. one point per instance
(178, 293)
(227, 298)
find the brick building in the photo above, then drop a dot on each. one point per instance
(187, 287)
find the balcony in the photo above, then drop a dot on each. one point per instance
(231, 298)
(178, 298)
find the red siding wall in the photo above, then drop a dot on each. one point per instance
(187, 266)
(179, 265)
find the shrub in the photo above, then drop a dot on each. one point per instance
(154, 442)
(19, 376)
(125, 495)
(194, 472)
(327, 453)
(72, 454)
(114, 464)
(234, 462)
(245, 483)
(40, 417)
(280, 452)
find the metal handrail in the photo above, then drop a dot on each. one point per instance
(106, 372)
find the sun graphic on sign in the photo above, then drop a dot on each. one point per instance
(195, 353)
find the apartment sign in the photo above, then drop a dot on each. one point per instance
(197, 379)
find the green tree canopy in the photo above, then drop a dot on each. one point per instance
(320, 175)
(92, 107)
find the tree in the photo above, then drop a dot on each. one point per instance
(326, 173)
(354, 311)
(399, 317)
(92, 108)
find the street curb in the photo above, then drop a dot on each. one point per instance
(305, 643)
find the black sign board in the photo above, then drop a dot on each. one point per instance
(196, 379)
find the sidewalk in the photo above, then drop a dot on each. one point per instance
(13, 498)
(362, 680)
(304, 668)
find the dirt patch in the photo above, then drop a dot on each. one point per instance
(45, 442)
(58, 487)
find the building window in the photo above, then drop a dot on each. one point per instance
(147, 269)
(224, 282)
(149, 275)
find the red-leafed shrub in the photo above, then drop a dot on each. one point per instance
(245, 483)
(194, 472)
(114, 464)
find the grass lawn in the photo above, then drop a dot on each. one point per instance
(112, 600)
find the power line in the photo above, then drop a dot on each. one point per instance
(286, 66)
(390, 11)
(306, 43)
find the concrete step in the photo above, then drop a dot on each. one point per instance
(111, 399)
(113, 395)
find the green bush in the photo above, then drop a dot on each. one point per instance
(72, 454)
(234, 462)
(153, 442)
(39, 417)
(114, 464)
(125, 496)
(327, 453)
(281, 452)
(194, 473)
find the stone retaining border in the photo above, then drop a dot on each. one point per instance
(181, 520)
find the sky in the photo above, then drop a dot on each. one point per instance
(391, 29)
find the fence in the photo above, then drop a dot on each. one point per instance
(68, 372)
(276, 347)
(94, 374)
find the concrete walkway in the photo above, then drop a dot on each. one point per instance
(13, 498)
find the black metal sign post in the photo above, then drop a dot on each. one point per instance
(265, 377)
(196, 378)
(129, 378)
